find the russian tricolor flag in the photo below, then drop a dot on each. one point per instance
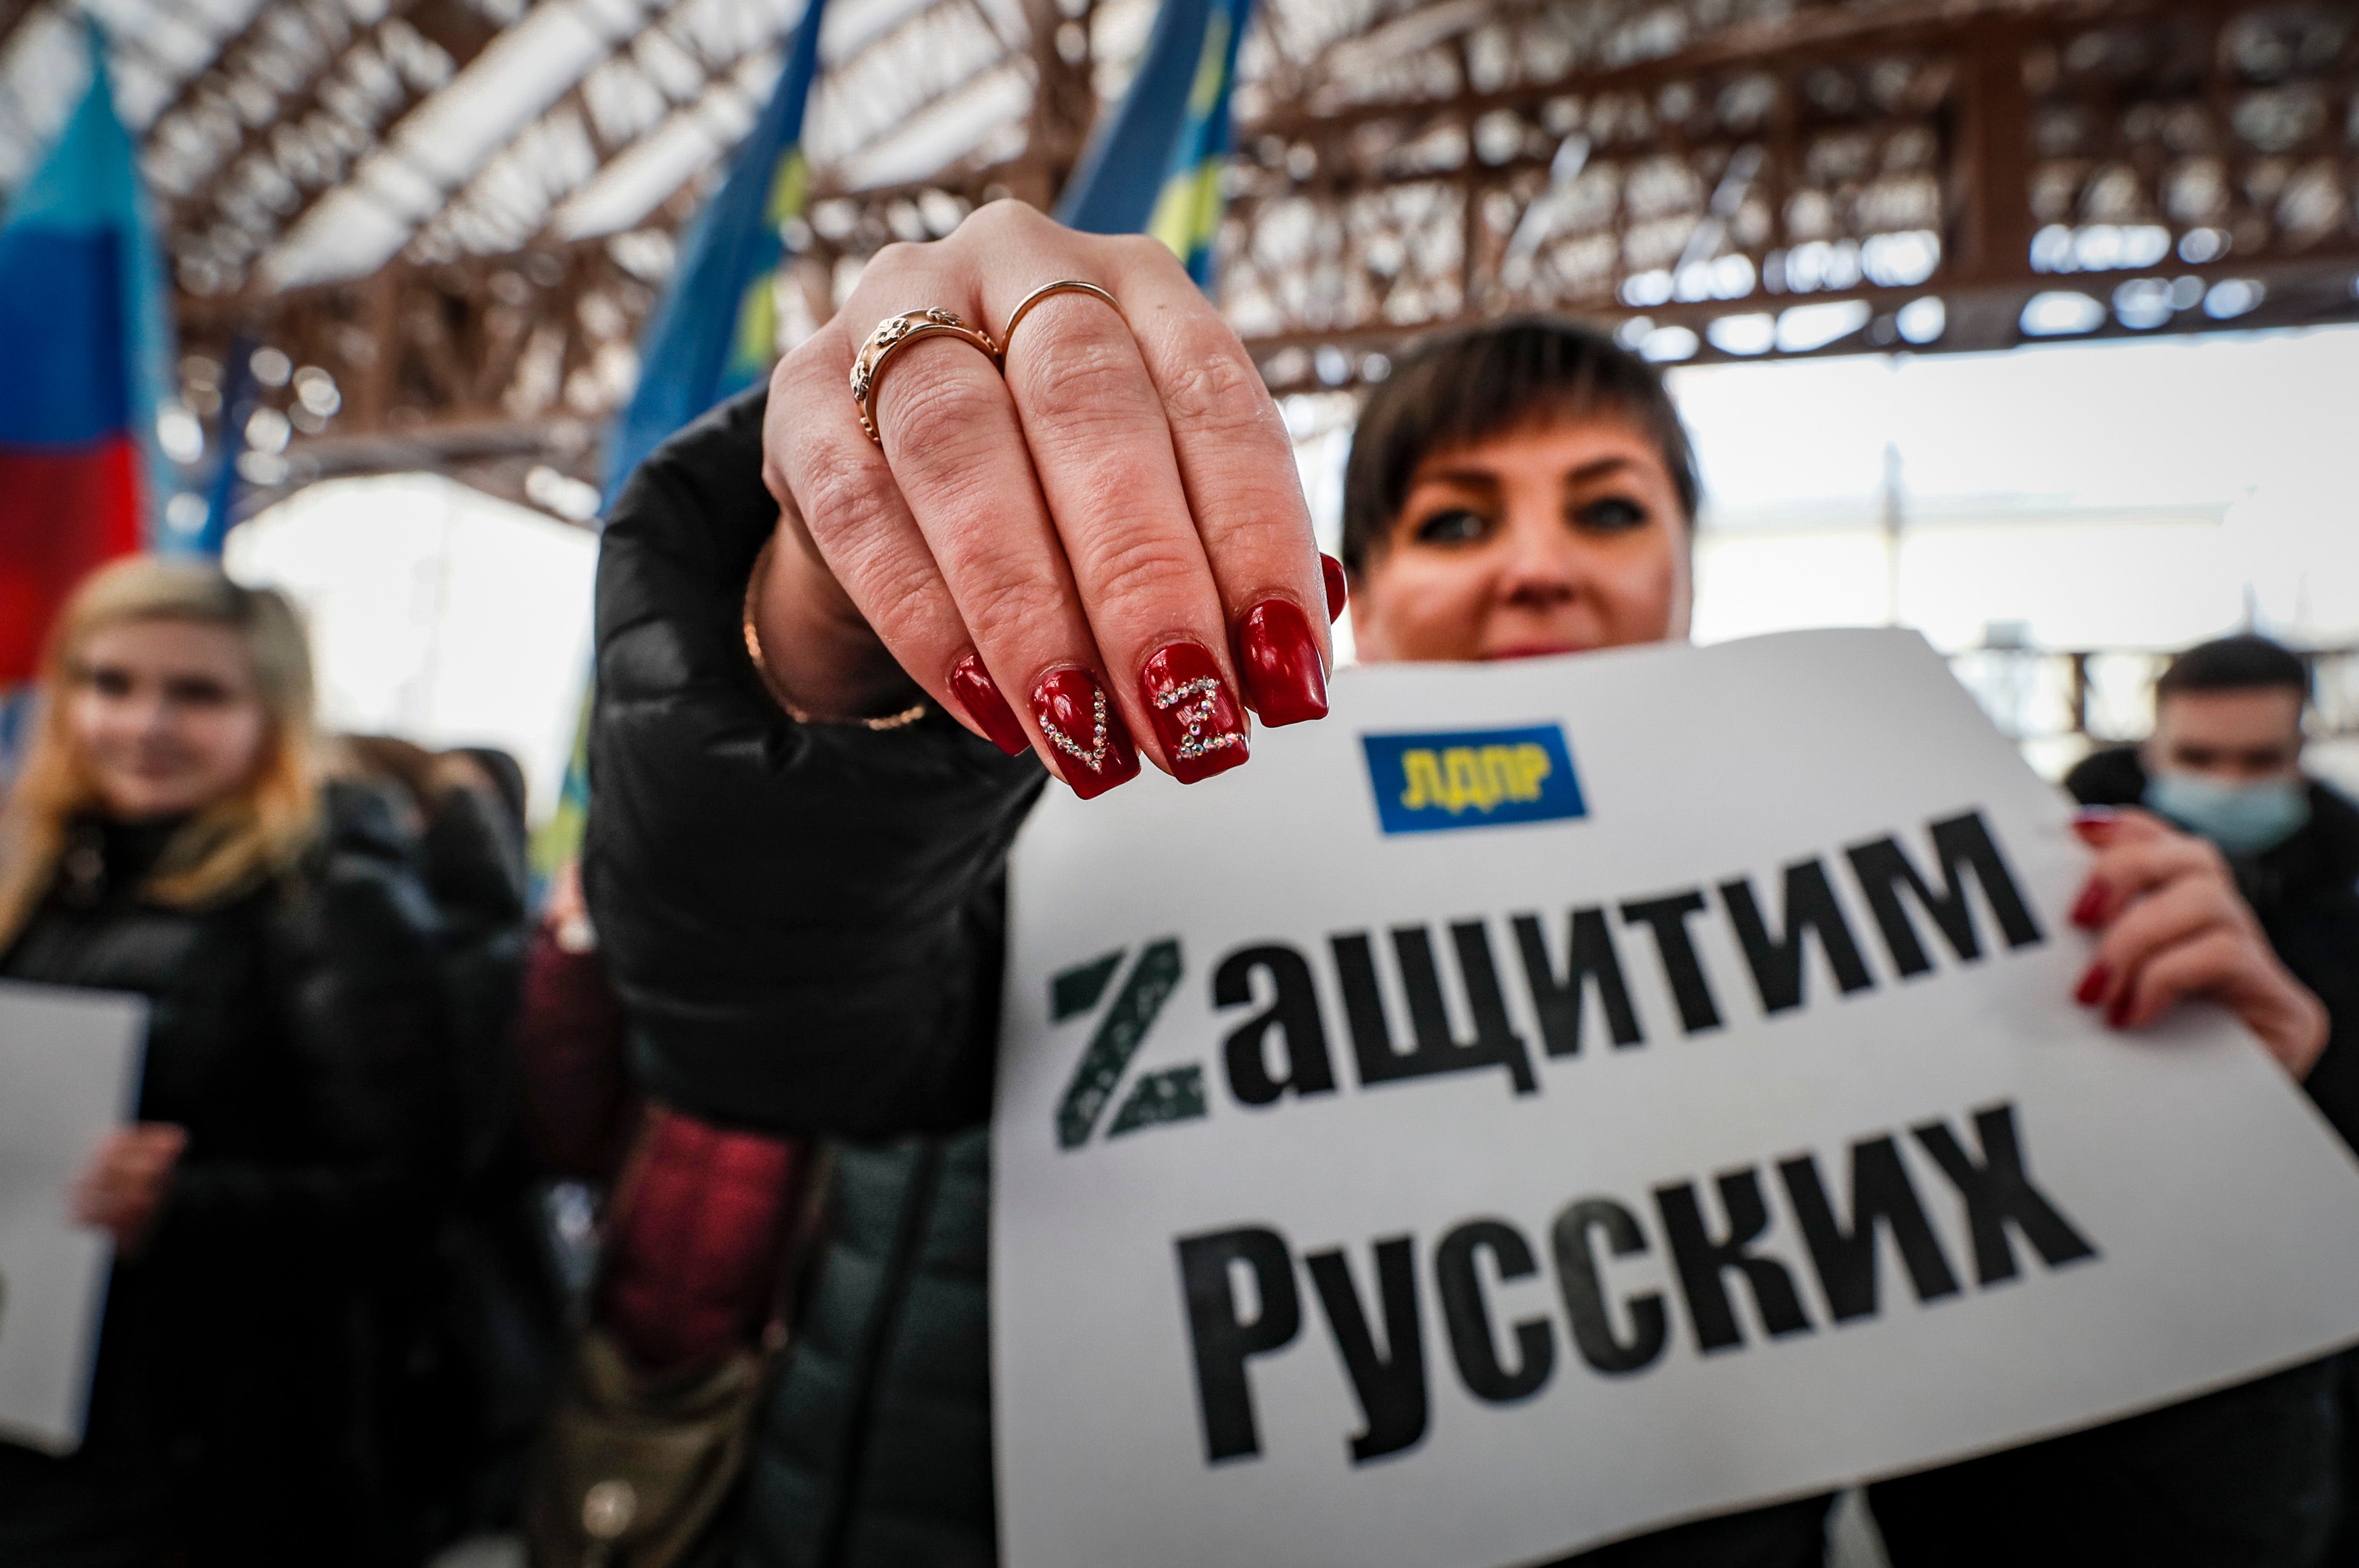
(84, 357)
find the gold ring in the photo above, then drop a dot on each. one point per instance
(1023, 306)
(890, 334)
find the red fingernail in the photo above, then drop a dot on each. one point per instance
(1200, 726)
(1332, 570)
(2118, 1014)
(2093, 984)
(972, 684)
(1284, 682)
(2094, 823)
(2090, 908)
(1093, 748)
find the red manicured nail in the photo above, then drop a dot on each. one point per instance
(1093, 746)
(972, 684)
(1200, 725)
(1284, 682)
(2090, 908)
(1332, 570)
(2118, 1014)
(2093, 984)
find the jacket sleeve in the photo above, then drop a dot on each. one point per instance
(803, 920)
(352, 964)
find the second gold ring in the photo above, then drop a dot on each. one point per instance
(1023, 307)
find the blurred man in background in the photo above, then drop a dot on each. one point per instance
(2224, 761)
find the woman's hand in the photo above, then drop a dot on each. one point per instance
(566, 915)
(124, 1185)
(2174, 926)
(1108, 542)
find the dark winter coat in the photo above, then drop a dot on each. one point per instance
(2306, 891)
(472, 854)
(291, 1035)
(804, 922)
(474, 1321)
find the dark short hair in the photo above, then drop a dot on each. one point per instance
(1481, 381)
(2243, 663)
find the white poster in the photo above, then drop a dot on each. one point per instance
(1548, 1101)
(68, 1073)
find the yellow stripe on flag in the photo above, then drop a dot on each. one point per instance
(757, 325)
(788, 187)
(1188, 214)
(1206, 90)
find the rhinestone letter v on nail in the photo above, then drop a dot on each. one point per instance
(1094, 758)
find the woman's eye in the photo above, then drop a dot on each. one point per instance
(197, 693)
(1456, 526)
(107, 682)
(1612, 515)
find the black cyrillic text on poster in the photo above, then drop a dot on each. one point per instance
(1722, 1264)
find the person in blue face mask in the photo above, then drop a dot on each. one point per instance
(2224, 761)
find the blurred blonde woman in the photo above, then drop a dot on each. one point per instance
(169, 837)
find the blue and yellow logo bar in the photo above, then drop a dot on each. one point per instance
(1472, 779)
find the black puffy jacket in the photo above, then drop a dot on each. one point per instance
(804, 921)
(474, 1319)
(292, 1034)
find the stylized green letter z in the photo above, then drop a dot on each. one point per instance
(1161, 1096)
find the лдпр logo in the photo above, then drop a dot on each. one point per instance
(1469, 778)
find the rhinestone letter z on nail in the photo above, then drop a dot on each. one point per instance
(1094, 757)
(1194, 698)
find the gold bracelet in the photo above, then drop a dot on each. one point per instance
(905, 717)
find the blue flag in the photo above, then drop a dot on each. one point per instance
(715, 331)
(1156, 166)
(240, 395)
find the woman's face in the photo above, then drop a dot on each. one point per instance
(1560, 537)
(165, 716)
